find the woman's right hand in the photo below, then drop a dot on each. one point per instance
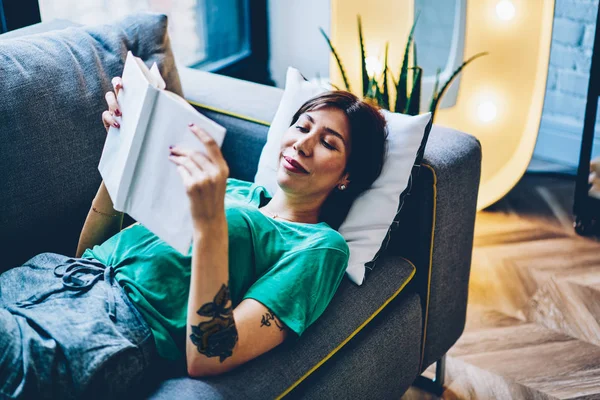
(108, 116)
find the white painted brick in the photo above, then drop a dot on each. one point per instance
(588, 37)
(578, 10)
(552, 79)
(567, 32)
(562, 56)
(573, 82)
(562, 104)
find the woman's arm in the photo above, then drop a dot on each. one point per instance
(218, 338)
(99, 225)
(105, 221)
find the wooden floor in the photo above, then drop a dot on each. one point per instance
(533, 319)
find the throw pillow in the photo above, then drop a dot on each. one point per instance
(372, 214)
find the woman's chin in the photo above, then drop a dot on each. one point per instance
(287, 181)
(283, 179)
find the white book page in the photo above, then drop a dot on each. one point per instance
(158, 81)
(119, 141)
(158, 199)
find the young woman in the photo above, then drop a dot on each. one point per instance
(259, 269)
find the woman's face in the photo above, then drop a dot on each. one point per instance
(314, 152)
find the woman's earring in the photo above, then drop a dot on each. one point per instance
(342, 187)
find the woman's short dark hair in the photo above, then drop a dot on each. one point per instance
(368, 135)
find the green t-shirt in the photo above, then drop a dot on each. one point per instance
(292, 268)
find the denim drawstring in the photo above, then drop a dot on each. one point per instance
(70, 280)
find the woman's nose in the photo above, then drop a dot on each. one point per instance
(304, 145)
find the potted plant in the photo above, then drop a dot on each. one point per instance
(375, 88)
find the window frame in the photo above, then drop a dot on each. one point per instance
(18, 14)
(252, 65)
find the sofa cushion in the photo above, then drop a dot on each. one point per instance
(51, 101)
(282, 369)
(380, 362)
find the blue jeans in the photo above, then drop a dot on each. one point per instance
(68, 330)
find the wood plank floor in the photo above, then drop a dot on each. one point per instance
(533, 318)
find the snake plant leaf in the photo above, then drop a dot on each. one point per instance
(415, 63)
(435, 90)
(394, 81)
(363, 59)
(402, 87)
(370, 90)
(385, 94)
(337, 59)
(436, 100)
(412, 108)
(373, 92)
(377, 92)
(413, 103)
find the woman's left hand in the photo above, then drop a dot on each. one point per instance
(204, 177)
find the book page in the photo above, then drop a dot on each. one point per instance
(158, 81)
(158, 198)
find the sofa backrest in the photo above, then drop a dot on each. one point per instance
(51, 101)
(242, 145)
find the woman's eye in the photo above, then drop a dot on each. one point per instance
(302, 129)
(327, 145)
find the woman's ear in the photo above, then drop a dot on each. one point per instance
(345, 179)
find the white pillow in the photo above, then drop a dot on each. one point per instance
(297, 91)
(373, 211)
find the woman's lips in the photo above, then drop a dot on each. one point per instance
(290, 167)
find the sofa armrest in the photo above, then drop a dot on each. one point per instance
(436, 227)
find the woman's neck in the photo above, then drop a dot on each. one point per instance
(292, 209)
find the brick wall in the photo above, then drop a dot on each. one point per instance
(561, 127)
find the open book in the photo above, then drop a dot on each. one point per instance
(138, 175)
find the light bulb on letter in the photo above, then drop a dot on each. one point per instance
(487, 111)
(505, 10)
(374, 66)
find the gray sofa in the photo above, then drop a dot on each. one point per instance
(372, 342)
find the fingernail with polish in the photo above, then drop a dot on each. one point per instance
(170, 147)
(191, 124)
(117, 125)
(118, 112)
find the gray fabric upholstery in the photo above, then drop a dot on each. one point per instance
(252, 100)
(51, 100)
(456, 159)
(271, 374)
(364, 370)
(242, 145)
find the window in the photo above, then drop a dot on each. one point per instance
(206, 34)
